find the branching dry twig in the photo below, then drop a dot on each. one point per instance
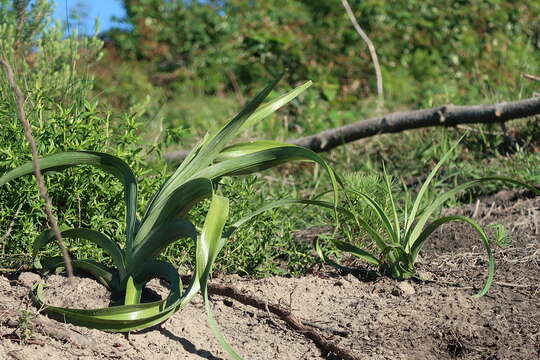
(10, 227)
(285, 315)
(371, 48)
(19, 98)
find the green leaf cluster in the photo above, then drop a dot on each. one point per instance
(400, 235)
(166, 219)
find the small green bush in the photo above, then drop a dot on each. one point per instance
(52, 71)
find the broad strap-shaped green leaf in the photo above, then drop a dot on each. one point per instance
(245, 148)
(159, 238)
(257, 116)
(205, 153)
(126, 317)
(211, 242)
(356, 251)
(115, 319)
(101, 240)
(282, 203)
(420, 241)
(246, 158)
(216, 330)
(176, 205)
(364, 255)
(160, 269)
(274, 105)
(105, 275)
(109, 163)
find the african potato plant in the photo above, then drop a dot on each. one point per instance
(399, 242)
(165, 220)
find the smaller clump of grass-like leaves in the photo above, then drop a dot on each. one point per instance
(398, 233)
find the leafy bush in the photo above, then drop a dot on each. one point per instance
(430, 51)
(53, 72)
(166, 219)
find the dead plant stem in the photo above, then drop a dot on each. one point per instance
(371, 48)
(19, 98)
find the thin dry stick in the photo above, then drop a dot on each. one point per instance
(10, 227)
(371, 48)
(236, 87)
(19, 98)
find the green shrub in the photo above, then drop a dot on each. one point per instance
(166, 219)
(52, 71)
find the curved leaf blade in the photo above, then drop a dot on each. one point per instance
(420, 241)
(101, 240)
(126, 317)
(204, 153)
(176, 205)
(413, 233)
(160, 237)
(106, 276)
(258, 156)
(208, 247)
(426, 183)
(111, 164)
(392, 233)
(275, 105)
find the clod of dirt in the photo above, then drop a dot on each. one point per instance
(406, 288)
(29, 279)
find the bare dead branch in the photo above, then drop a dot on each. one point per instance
(531, 77)
(448, 115)
(371, 48)
(19, 98)
(236, 87)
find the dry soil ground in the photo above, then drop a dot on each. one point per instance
(374, 318)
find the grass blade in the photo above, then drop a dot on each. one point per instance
(425, 185)
(392, 233)
(418, 244)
